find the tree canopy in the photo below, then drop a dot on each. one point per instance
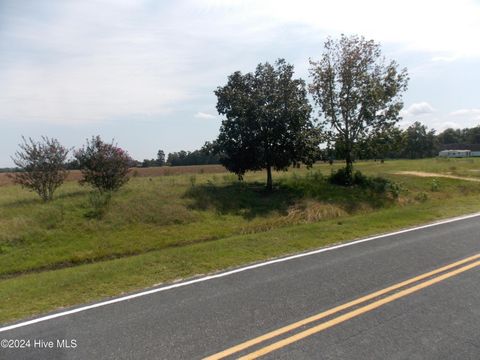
(419, 142)
(357, 92)
(267, 121)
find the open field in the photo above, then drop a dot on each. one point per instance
(143, 172)
(161, 228)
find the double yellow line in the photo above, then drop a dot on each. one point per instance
(443, 273)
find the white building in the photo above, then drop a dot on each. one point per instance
(455, 153)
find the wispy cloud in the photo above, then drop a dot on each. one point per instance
(444, 28)
(203, 115)
(95, 60)
(466, 112)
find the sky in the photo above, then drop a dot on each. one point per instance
(143, 72)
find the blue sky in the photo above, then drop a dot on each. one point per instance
(143, 72)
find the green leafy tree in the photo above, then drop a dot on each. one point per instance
(382, 144)
(419, 142)
(358, 93)
(267, 121)
(196, 157)
(472, 135)
(104, 166)
(450, 136)
(42, 166)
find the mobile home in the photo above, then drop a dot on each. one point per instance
(455, 153)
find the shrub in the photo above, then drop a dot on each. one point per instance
(104, 166)
(377, 184)
(361, 180)
(340, 177)
(42, 165)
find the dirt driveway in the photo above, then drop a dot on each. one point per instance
(428, 174)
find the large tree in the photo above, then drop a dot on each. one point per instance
(267, 121)
(357, 91)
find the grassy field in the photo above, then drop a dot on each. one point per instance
(143, 172)
(167, 224)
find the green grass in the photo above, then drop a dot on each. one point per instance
(168, 227)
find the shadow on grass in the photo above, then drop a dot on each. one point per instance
(251, 199)
(246, 199)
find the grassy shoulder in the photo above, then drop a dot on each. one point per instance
(165, 228)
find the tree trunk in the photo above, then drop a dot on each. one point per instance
(269, 178)
(349, 168)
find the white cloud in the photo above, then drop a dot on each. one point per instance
(466, 112)
(445, 28)
(203, 115)
(95, 60)
(99, 60)
(417, 109)
(459, 119)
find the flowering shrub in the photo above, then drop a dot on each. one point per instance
(42, 166)
(104, 166)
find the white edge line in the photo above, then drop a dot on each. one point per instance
(227, 273)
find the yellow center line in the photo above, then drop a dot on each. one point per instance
(334, 310)
(355, 313)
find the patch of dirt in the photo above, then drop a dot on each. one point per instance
(428, 174)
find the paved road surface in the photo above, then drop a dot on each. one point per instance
(435, 316)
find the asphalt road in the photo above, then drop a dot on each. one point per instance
(439, 321)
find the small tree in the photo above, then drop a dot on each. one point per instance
(104, 166)
(42, 165)
(358, 94)
(267, 121)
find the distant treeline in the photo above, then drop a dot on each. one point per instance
(203, 156)
(8, 170)
(417, 141)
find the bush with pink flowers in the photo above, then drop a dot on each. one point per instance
(104, 166)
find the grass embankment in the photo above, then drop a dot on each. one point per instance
(167, 227)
